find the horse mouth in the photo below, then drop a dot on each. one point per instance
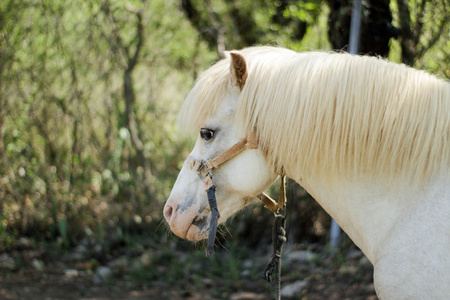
(198, 229)
(195, 234)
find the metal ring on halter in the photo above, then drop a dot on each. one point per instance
(205, 167)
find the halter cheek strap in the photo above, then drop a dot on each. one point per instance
(204, 168)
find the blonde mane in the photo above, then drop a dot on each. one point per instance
(332, 114)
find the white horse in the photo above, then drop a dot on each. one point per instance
(368, 139)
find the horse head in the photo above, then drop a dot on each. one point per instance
(237, 181)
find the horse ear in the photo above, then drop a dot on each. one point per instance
(238, 70)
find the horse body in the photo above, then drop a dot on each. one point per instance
(370, 140)
(404, 232)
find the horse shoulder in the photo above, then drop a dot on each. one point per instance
(414, 260)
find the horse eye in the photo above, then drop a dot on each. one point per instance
(207, 134)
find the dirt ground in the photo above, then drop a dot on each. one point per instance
(349, 279)
(29, 284)
(54, 284)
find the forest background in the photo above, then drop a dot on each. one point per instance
(89, 94)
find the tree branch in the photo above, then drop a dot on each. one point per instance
(208, 27)
(132, 60)
(408, 53)
(244, 23)
(418, 27)
(115, 43)
(435, 34)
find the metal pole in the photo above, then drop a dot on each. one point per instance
(353, 48)
(355, 28)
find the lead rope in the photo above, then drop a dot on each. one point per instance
(214, 219)
(278, 239)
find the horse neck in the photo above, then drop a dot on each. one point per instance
(368, 210)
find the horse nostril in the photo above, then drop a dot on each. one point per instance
(168, 210)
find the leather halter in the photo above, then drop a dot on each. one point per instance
(204, 171)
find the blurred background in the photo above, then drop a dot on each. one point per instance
(89, 150)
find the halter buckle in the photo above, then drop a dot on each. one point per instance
(204, 167)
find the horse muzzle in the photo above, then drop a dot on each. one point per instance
(186, 223)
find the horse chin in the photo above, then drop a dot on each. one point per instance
(195, 234)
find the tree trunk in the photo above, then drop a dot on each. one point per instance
(132, 121)
(407, 40)
(132, 125)
(129, 62)
(416, 40)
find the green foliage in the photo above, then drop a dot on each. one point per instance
(224, 270)
(425, 35)
(305, 11)
(67, 160)
(89, 93)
